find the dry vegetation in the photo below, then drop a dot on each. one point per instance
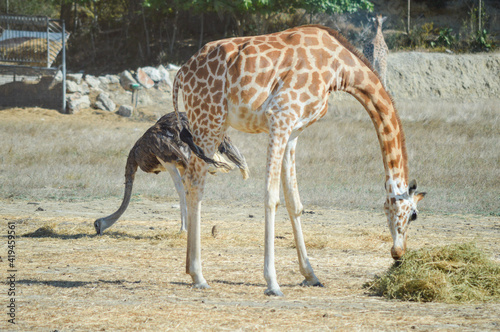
(58, 173)
(34, 49)
(454, 153)
(454, 274)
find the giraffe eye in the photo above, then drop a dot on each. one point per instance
(413, 216)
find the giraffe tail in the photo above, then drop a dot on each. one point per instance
(185, 134)
(175, 96)
(187, 138)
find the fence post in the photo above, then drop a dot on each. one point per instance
(48, 40)
(63, 66)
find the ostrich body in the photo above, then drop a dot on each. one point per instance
(161, 149)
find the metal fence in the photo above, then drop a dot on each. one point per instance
(29, 45)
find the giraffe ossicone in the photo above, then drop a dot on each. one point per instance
(279, 84)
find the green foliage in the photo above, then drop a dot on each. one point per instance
(446, 37)
(453, 274)
(117, 32)
(334, 6)
(483, 41)
(30, 7)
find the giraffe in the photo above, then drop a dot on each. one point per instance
(279, 84)
(376, 50)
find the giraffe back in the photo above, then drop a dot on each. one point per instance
(241, 82)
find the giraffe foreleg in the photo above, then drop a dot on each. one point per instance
(277, 142)
(295, 208)
(194, 181)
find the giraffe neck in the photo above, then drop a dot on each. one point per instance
(379, 31)
(384, 116)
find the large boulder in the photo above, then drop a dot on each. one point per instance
(92, 81)
(77, 78)
(125, 110)
(127, 81)
(153, 73)
(105, 103)
(76, 102)
(165, 76)
(144, 79)
(72, 87)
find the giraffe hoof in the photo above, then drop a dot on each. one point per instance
(314, 283)
(202, 285)
(273, 292)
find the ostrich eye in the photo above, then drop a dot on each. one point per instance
(413, 216)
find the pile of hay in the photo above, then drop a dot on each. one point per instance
(34, 49)
(452, 274)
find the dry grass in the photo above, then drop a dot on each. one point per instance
(132, 277)
(455, 273)
(454, 153)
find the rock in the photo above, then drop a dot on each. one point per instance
(215, 231)
(92, 81)
(125, 110)
(58, 77)
(113, 78)
(77, 78)
(104, 80)
(165, 76)
(84, 88)
(76, 101)
(105, 103)
(171, 66)
(144, 79)
(127, 80)
(72, 87)
(153, 73)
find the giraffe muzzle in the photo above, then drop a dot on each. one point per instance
(397, 252)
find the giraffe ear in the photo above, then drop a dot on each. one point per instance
(418, 197)
(412, 187)
(384, 18)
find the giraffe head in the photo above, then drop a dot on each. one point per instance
(379, 20)
(401, 210)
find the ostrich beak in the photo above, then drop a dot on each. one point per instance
(97, 226)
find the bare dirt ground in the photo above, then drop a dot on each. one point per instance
(133, 277)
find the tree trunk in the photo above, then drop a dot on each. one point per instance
(409, 16)
(146, 32)
(174, 33)
(200, 44)
(479, 16)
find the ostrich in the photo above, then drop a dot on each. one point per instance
(160, 149)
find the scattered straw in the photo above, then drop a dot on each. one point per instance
(455, 273)
(47, 230)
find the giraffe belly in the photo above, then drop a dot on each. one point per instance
(243, 118)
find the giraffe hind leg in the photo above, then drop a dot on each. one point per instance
(295, 208)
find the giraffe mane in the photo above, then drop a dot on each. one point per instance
(347, 44)
(344, 42)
